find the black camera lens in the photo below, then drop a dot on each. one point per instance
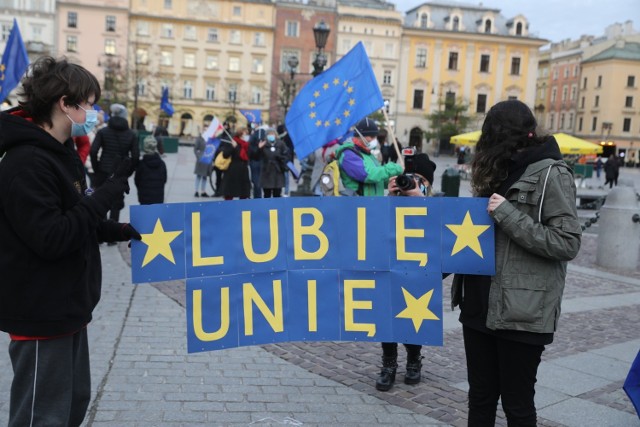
(405, 182)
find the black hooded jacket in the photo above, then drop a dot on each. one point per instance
(151, 176)
(116, 141)
(50, 270)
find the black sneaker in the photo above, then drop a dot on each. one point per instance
(203, 194)
(197, 194)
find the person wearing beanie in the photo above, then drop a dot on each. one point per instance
(151, 174)
(361, 173)
(274, 154)
(416, 181)
(112, 144)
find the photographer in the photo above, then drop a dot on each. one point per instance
(414, 182)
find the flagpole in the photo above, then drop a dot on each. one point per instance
(393, 137)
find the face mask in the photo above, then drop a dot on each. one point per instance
(245, 138)
(90, 122)
(271, 138)
(373, 143)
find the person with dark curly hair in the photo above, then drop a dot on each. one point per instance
(508, 319)
(50, 229)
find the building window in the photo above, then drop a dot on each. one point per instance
(515, 66)
(626, 125)
(487, 26)
(237, 11)
(142, 28)
(580, 124)
(574, 92)
(292, 29)
(258, 39)
(484, 63)
(166, 58)
(167, 31)
(189, 60)
(551, 119)
(190, 32)
(519, 29)
(110, 23)
(210, 92)
(594, 124)
(72, 44)
(212, 62)
(455, 24)
(388, 50)
(566, 72)
(142, 56)
(72, 20)
(562, 121)
(36, 31)
(582, 102)
(453, 60)
(596, 102)
(235, 37)
(570, 120)
(256, 95)
(512, 98)
(631, 81)
(234, 63)
(554, 92)
(449, 100)
(212, 35)
(141, 87)
(565, 92)
(168, 4)
(110, 47)
(584, 83)
(575, 70)
(628, 102)
(346, 45)
(386, 78)
(424, 20)
(257, 65)
(481, 103)
(421, 57)
(284, 58)
(555, 74)
(232, 94)
(599, 81)
(418, 98)
(187, 90)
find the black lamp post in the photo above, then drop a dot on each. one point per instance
(321, 34)
(290, 88)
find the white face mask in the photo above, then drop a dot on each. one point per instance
(373, 144)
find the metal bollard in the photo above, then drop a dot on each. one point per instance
(619, 232)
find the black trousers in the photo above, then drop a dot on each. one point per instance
(390, 349)
(51, 381)
(99, 178)
(272, 192)
(500, 368)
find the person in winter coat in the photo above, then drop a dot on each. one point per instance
(360, 171)
(611, 171)
(151, 174)
(274, 155)
(255, 158)
(421, 170)
(508, 319)
(236, 181)
(111, 144)
(283, 135)
(50, 228)
(202, 169)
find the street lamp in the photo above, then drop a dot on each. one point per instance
(289, 87)
(321, 34)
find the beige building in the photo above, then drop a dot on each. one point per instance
(378, 26)
(609, 105)
(469, 54)
(214, 57)
(541, 107)
(94, 34)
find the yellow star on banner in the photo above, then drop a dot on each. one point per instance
(345, 83)
(312, 104)
(327, 123)
(2, 67)
(350, 89)
(318, 122)
(352, 102)
(159, 243)
(325, 86)
(337, 122)
(417, 309)
(467, 235)
(336, 81)
(316, 94)
(312, 115)
(346, 113)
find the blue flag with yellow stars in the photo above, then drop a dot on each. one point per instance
(333, 101)
(252, 116)
(311, 268)
(15, 62)
(165, 104)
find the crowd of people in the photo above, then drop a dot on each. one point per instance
(52, 222)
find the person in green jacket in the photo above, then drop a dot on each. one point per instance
(360, 171)
(509, 318)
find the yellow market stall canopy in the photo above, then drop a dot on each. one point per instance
(568, 144)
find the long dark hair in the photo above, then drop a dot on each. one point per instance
(508, 127)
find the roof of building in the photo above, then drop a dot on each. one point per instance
(368, 4)
(621, 50)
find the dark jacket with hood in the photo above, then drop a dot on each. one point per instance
(116, 141)
(49, 232)
(151, 176)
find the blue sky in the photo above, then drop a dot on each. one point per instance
(556, 20)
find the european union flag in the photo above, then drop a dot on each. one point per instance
(165, 105)
(14, 62)
(252, 116)
(333, 101)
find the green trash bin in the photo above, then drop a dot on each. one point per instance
(450, 185)
(142, 134)
(584, 171)
(170, 144)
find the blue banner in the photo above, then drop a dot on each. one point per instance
(15, 62)
(294, 269)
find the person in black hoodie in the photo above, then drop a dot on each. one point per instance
(50, 229)
(111, 144)
(151, 174)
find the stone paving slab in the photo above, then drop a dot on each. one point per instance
(579, 413)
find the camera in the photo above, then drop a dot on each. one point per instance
(406, 181)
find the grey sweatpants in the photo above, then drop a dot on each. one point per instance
(51, 381)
